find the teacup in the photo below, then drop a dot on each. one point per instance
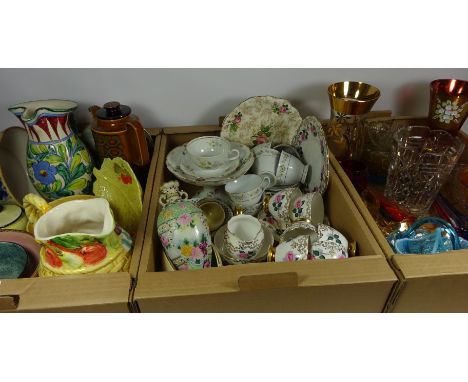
(249, 210)
(243, 237)
(265, 164)
(280, 205)
(308, 207)
(211, 152)
(328, 234)
(298, 229)
(291, 170)
(293, 250)
(327, 250)
(259, 149)
(247, 190)
(288, 148)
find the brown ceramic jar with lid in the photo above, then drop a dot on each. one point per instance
(118, 133)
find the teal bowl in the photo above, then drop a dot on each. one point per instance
(13, 260)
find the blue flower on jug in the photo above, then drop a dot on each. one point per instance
(44, 172)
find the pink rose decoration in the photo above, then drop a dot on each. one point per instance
(203, 246)
(197, 253)
(164, 241)
(243, 255)
(298, 203)
(237, 119)
(185, 219)
(282, 109)
(207, 264)
(278, 198)
(290, 256)
(261, 139)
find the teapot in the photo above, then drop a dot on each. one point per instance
(78, 237)
(118, 133)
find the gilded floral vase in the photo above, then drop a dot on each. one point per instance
(183, 230)
(58, 162)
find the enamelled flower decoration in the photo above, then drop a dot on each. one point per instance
(44, 172)
(448, 111)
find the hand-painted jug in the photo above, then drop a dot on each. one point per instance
(118, 133)
(78, 237)
(58, 163)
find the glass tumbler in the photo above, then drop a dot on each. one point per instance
(420, 163)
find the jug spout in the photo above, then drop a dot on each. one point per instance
(30, 112)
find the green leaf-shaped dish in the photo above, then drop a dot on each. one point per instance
(117, 183)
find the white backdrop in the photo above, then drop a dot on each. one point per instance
(172, 97)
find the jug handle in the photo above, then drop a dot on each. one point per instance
(34, 207)
(93, 109)
(139, 145)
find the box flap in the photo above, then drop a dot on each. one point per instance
(98, 292)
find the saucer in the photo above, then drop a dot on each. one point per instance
(192, 169)
(313, 149)
(176, 157)
(262, 253)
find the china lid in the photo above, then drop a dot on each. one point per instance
(9, 213)
(113, 110)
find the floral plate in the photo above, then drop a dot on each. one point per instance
(312, 146)
(176, 157)
(262, 119)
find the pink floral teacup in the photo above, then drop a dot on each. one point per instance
(327, 250)
(293, 250)
(243, 237)
(280, 205)
(308, 207)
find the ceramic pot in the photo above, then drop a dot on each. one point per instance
(80, 237)
(57, 161)
(118, 133)
(183, 229)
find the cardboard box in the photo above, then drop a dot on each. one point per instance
(427, 283)
(110, 292)
(359, 284)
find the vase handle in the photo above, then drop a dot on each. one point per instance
(34, 207)
(139, 146)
